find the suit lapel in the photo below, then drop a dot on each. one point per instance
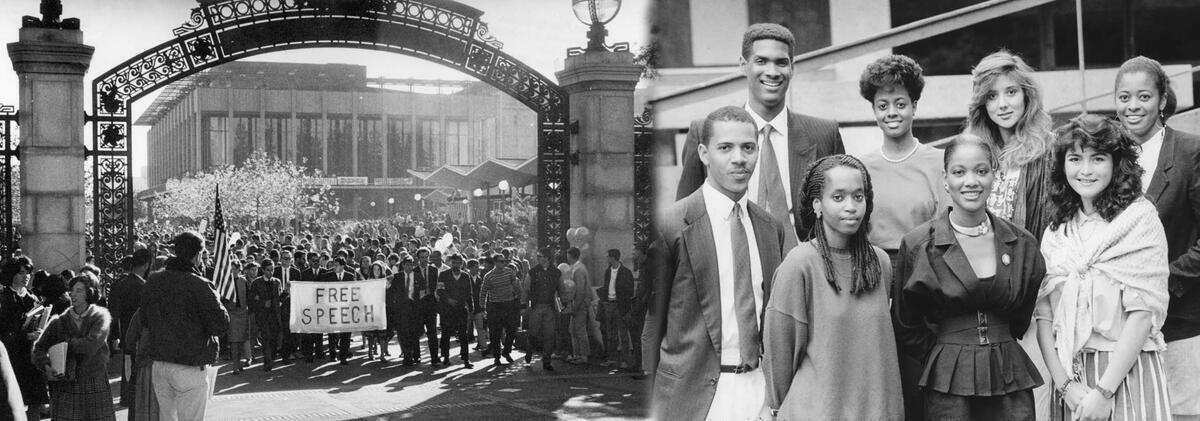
(768, 249)
(1162, 177)
(800, 153)
(1005, 240)
(702, 253)
(953, 255)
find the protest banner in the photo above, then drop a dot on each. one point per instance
(336, 307)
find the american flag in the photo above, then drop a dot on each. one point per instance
(222, 269)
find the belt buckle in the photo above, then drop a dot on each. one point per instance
(983, 328)
(741, 368)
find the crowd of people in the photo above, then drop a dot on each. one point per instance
(164, 321)
(1015, 271)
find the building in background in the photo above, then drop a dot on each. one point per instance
(376, 141)
(699, 43)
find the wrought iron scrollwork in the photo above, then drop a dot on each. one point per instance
(210, 37)
(8, 163)
(643, 180)
(111, 213)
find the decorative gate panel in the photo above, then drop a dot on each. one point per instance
(8, 167)
(441, 31)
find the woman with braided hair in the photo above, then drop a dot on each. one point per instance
(966, 286)
(826, 330)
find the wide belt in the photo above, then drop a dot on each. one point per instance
(978, 328)
(737, 369)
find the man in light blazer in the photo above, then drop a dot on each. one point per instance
(704, 362)
(796, 140)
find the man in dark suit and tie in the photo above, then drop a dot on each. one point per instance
(310, 343)
(788, 142)
(715, 252)
(428, 275)
(286, 273)
(339, 343)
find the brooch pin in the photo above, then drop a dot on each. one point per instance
(1005, 259)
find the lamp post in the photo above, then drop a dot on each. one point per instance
(595, 14)
(418, 198)
(503, 186)
(477, 193)
(391, 201)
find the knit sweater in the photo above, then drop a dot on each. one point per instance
(830, 355)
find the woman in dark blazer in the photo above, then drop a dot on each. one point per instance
(1144, 101)
(17, 336)
(966, 286)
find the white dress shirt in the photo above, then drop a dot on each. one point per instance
(612, 283)
(1148, 159)
(720, 208)
(779, 141)
(739, 396)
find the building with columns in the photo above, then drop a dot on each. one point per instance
(700, 43)
(378, 138)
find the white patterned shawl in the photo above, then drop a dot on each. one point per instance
(1131, 251)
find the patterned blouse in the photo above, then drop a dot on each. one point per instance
(1004, 192)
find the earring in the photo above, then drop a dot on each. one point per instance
(818, 214)
(947, 187)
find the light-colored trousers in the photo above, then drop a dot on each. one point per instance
(183, 391)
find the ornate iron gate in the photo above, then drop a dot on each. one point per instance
(8, 161)
(643, 180)
(441, 31)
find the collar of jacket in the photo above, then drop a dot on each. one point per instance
(943, 233)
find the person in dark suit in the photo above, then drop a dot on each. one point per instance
(264, 305)
(455, 303)
(1144, 101)
(710, 264)
(796, 140)
(286, 273)
(310, 343)
(126, 299)
(615, 297)
(407, 289)
(339, 343)
(427, 273)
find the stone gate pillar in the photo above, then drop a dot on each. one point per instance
(600, 84)
(50, 62)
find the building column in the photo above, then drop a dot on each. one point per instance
(600, 84)
(324, 129)
(386, 156)
(50, 64)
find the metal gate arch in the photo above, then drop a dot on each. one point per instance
(220, 31)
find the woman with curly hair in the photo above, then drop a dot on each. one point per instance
(1102, 305)
(908, 184)
(1171, 160)
(826, 331)
(1006, 111)
(966, 286)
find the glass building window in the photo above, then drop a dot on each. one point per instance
(370, 148)
(308, 142)
(243, 138)
(458, 151)
(400, 142)
(340, 134)
(428, 140)
(275, 133)
(212, 141)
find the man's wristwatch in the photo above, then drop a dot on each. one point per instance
(1107, 394)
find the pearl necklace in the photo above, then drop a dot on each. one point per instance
(975, 231)
(897, 161)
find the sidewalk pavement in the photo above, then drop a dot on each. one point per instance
(374, 390)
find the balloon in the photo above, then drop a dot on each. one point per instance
(584, 234)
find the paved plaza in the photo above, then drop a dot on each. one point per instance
(387, 390)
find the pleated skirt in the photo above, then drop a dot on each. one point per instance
(1142, 396)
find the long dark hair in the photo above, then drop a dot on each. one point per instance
(1103, 135)
(865, 263)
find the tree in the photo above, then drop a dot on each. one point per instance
(262, 188)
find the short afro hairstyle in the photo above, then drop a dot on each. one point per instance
(772, 31)
(893, 70)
